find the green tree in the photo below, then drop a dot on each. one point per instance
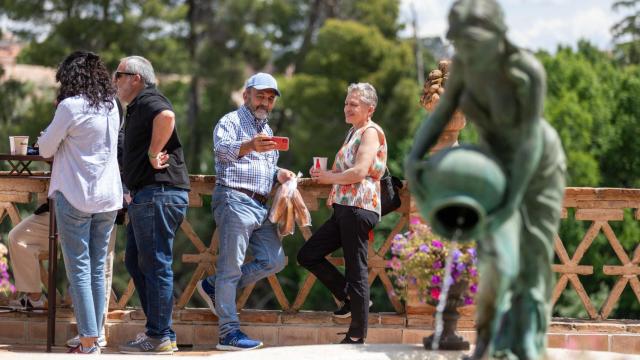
(57, 27)
(626, 32)
(581, 85)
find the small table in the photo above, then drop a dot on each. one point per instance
(20, 164)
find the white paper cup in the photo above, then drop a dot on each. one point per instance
(320, 163)
(12, 145)
(20, 144)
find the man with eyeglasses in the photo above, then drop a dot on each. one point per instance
(155, 172)
(246, 170)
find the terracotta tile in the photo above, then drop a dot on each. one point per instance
(184, 333)
(307, 317)
(557, 341)
(37, 333)
(330, 334)
(392, 319)
(384, 336)
(596, 342)
(423, 321)
(267, 334)
(414, 336)
(13, 330)
(561, 327)
(599, 328)
(628, 344)
(198, 315)
(297, 335)
(633, 328)
(205, 335)
(260, 316)
(119, 334)
(137, 315)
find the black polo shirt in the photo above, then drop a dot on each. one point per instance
(138, 127)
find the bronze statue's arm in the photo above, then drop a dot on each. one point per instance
(431, 128)
(527, 74)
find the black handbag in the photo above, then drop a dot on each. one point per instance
(389, 193)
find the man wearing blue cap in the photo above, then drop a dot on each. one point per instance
(245, 159)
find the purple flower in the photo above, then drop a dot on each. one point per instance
(472, 252)
(435, 280)
(436, 243)
(460, 267)
(473, 288)
(468, 300)
(456, 254)
(437, 264)
(397, 248)
(423, 248)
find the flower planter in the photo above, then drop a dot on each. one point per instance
(449, 339)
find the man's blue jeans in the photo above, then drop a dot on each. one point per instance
(84, 238)
(242, 224)
(155, 213)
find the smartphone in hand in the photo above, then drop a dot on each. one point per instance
(282, 143)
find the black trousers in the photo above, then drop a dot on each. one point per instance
(348, 228)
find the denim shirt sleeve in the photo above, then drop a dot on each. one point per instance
(225, 139)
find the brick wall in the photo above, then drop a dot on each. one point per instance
(198, 327)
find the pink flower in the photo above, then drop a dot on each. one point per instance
(435, 293)
(436, 243)
(394, 264)
(473, 288)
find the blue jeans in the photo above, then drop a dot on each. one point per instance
(84, 238)
(155, 213)
(242, 224)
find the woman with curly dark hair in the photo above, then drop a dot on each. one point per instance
(85, 183)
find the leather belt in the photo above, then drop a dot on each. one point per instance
(260, 198)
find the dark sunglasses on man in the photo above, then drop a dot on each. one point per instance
(118, 74)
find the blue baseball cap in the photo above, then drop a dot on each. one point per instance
(261, 81)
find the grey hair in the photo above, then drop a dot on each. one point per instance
(141, 66)
(367, 93)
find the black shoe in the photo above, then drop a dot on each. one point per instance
(345, 310)
(347, 340)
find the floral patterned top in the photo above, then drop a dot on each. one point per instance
(366, 193)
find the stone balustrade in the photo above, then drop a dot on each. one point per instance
(598, 207)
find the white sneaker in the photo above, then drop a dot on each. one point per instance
(75, 341)
(25, 303)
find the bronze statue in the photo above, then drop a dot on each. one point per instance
(500, 88)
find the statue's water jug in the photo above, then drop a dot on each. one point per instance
(461, 185)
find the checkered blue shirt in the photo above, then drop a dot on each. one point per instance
(254, 171)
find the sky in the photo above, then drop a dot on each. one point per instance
(533, 24)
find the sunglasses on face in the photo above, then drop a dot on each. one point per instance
(119, 74)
